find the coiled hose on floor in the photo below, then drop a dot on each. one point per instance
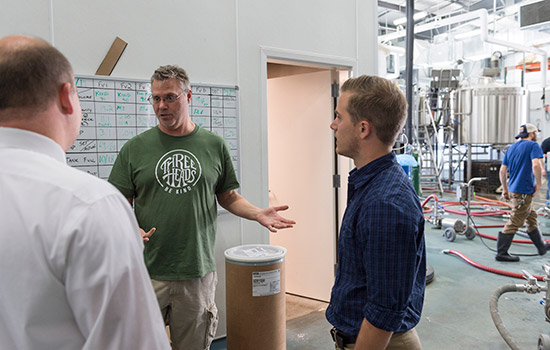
(531, 287)
(495, 315)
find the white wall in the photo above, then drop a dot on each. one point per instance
(218, 42)
(25, 17)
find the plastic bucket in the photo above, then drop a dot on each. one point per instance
(407, 170)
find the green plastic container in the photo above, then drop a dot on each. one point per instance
(415, 175)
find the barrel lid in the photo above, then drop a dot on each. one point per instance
(255, 253)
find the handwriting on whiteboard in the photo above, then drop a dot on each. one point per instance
(115, 110)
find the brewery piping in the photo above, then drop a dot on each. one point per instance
(482, 15)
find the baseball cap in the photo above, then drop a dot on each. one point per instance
(525, 129)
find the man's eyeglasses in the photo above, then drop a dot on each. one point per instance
(155, 100)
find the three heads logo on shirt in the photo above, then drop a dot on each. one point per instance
(178, 171)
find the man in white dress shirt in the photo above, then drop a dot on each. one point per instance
(72, 274)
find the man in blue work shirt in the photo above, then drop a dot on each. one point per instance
(523, 161)
(378, 293)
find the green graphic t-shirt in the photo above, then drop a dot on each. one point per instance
(173, 181)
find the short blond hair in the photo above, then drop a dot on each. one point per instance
(378, 101)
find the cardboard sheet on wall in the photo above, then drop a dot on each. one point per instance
(113, 55)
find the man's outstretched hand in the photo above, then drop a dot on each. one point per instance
(271, 219)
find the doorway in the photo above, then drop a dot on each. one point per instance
(301, 163)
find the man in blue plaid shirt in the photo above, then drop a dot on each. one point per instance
(378, 293)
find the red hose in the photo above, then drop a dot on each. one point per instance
(490, 269)
(449, 203)
(479, 213)
(428, 199)
(475, 196)
(504, 204)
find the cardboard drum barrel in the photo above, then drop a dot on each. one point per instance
(255, 297)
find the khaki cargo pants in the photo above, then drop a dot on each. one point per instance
(189, 310)
(522, 210)
(399, 341)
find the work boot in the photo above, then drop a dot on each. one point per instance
(538, 241)
(504, 241)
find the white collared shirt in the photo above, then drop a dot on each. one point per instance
(72, 274)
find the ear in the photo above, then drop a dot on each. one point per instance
(188, 96)
(365, 129)
(65, 99)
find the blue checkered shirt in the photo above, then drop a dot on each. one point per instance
(381, 270)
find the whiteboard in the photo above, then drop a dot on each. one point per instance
(114, 110)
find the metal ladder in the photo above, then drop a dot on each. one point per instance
(429, 170)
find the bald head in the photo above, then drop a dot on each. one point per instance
(31, 74)
(18, 41)
(37, 90)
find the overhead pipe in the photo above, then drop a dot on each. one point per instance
(543, 53)
(482, 15)
(390, 48)
(432, 25)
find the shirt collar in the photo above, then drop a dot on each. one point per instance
(31, 141)
(359, 176)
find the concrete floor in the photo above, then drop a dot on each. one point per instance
(456, 309)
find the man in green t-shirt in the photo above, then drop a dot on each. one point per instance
(173, 174)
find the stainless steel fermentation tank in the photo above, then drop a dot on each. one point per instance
(489, 113)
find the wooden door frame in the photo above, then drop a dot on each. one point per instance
(289, 57)
(284, 56)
